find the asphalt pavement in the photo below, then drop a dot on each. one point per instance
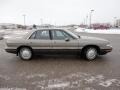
(62, 72)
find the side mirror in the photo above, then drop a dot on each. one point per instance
(67, 39)
(78, 36)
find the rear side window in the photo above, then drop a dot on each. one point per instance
(41, 34)
(33, 36)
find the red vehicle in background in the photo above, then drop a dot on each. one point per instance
(101, 26)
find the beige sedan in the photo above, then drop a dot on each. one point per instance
(57, 41)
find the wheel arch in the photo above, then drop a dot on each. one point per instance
(18, 49)
(95, 46)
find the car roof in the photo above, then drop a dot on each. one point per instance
(49, 29)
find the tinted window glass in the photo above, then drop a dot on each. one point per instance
(67, 35)
(60, 35)
(33, 36)
(43, 35)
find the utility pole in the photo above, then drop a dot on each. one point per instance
(91, 17)
(86, 20)
(24, 18)
(115, 23)
(41, 20)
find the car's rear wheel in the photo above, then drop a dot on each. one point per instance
(90, 53)
(25, 53)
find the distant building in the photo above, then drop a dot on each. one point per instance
(69, 27)
(83, 26)
(13, 26)
(117, 23)
(8, 26)
(46, 26)
(101, 26)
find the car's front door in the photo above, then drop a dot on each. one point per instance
(63, 41)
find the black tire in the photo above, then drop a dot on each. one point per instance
(90, 53)
(25, 53)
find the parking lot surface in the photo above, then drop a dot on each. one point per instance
(62, 72)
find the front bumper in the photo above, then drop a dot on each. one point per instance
(106, 50)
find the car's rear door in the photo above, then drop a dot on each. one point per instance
(40, 41)
(62, 41)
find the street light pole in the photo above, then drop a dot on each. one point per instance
(24, 17)
(41, 20)
(91, 17)
(86, 20)
(115, 24)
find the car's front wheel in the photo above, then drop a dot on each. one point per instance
(90, 53)
(25, 53)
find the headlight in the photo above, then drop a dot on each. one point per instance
(108, 45)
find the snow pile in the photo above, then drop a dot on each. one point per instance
(109, 31)
(13, 33)
(80, 30)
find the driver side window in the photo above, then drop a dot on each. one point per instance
(60, 35)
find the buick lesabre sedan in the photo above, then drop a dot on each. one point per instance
(57, 41)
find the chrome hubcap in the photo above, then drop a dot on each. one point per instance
(91, 54)
(26, 53)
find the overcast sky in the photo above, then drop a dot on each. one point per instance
(58, 11)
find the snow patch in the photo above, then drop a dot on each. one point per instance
(89, 88)
(22, 74)
(4, 77)
(75, 81)
(13, 33)
(13, 89)
(90, 80)
(107, 83)
(59, 85)
(109, 31)
(36, 75)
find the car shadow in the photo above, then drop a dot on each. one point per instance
(66, 57)
(56, 57)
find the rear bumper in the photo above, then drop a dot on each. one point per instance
(14, 51)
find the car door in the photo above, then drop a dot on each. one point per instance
(40, 40)
(63, 41)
